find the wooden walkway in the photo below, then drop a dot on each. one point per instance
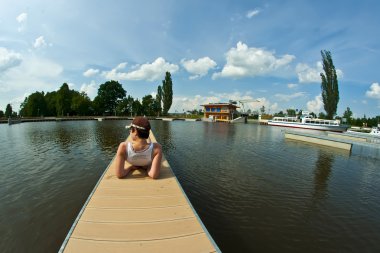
(138, 214)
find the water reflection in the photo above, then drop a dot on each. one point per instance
(58, 134)
(108, 134)
(221, 132)
(322, 174)
(65, 136)
(163, 132)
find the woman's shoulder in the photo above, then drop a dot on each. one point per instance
(123, 145)
(157, 146)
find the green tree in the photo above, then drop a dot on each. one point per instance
(124, 107)
(321, 115)
(167, 93)
(23, 106)
(330, 90)
(159, 101)
(98, 106)
(34, 105)
(291, 112)
(262, 109)
(137, 108)
(8, 111)
(348, 115)
(51, 103)
(63, 100)
(81, 104)
(279, 114)
(1, 114)
(148, 105)
(109, 95)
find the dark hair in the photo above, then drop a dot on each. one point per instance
(143, 134)
(141, 125)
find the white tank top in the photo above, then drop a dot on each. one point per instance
(139, 158)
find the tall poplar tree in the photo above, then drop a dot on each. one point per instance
(329, 86)
(167, 93)
(159, 100)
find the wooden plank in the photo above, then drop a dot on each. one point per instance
(136, 202)
(138, 214)
(144, 231)
(169, 190)
(198, 242)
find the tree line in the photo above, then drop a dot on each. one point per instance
(111, 100)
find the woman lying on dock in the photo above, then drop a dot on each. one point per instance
(139, 153)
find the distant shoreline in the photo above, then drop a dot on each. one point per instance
(78, 118)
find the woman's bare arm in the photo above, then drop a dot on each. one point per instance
(121, 154)
(155, 168)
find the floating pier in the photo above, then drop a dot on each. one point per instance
(138, 214)
(347, 136)
(319, 139)
(165, 119)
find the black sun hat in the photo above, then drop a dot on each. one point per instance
(140, 123)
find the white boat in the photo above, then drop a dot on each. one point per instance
(375, 131)
(308, 122)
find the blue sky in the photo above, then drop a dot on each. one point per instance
(215, 50)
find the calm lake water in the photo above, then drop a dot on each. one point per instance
(254, 190)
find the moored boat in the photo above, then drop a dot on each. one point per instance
(308, 122)
(375, 131)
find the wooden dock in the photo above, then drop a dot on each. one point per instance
(318, 139)
(138, 214)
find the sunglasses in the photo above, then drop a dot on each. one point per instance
(135, 126)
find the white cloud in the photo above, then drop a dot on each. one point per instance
(91, 89)
(292, 85)
(315, 105)
(21, 19)
(183, 103)
(71, 86)
(307, 74)
(32, 74)
(252, 13)
(39, 42)
(274, 107)
(199, 67)
(121, 66)
(44, 68)
(16, 102)
(115, 73)
(9, 59)
(150, 71)
(91, 72)
(243, 61)
(374, 91)
(287, 98)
